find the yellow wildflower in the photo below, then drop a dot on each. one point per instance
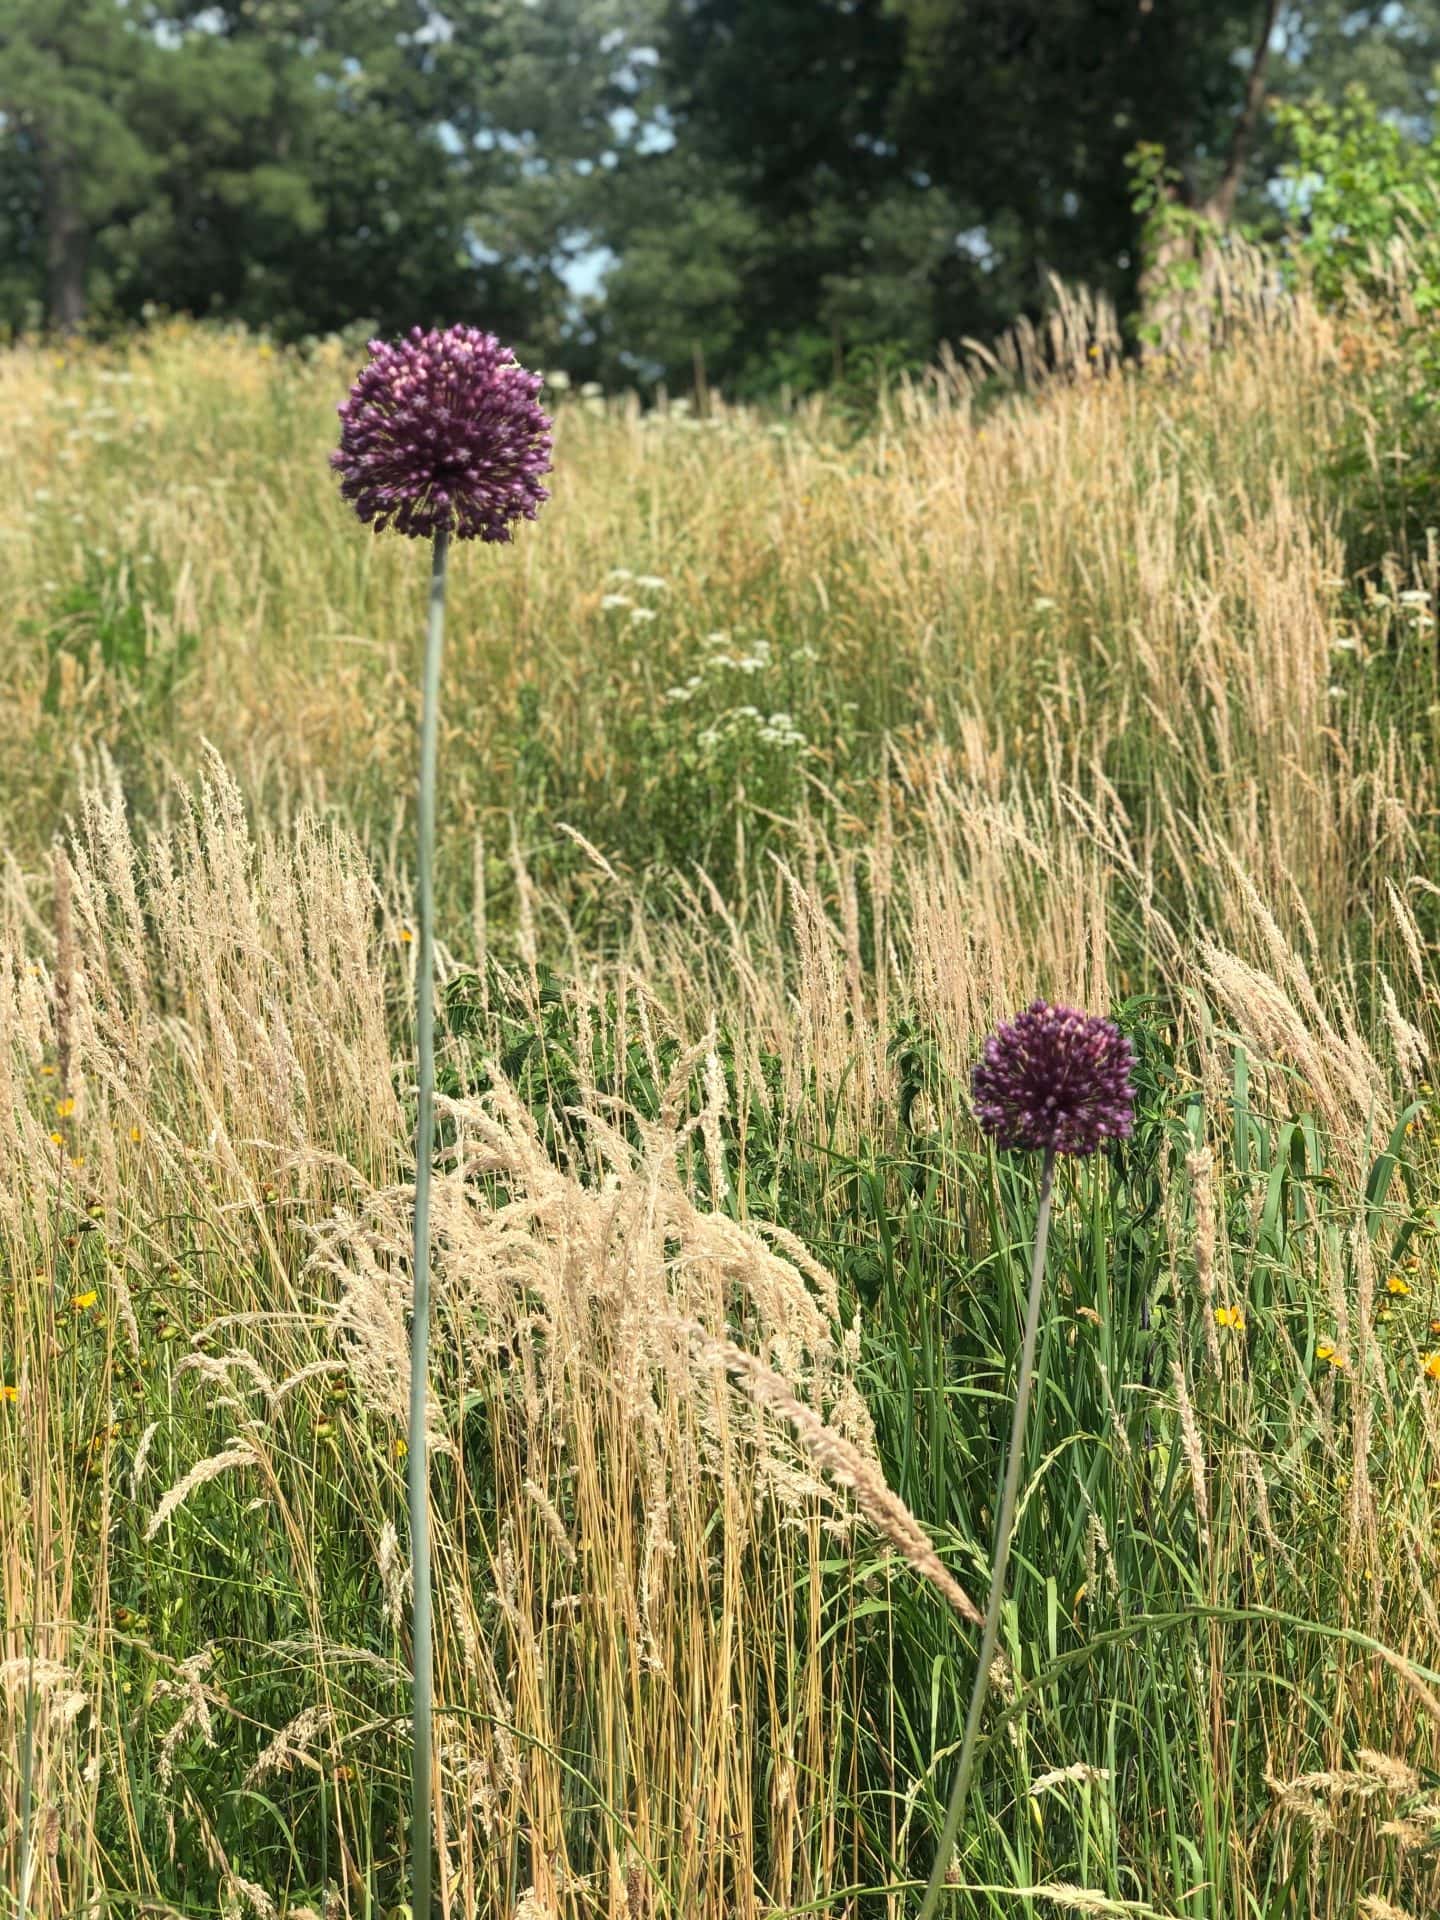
(47, 1072)
(57, 1139)
(1397, 1283)
(64, 1108)
(84, 1301)
(9, 1395)
(1327, 1351)
(1430, 1365)
(135, 1133)
(406, 936)
(1232, 1317)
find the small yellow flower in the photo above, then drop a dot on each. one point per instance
(47, 1073)
(1430, 1365)
(83, 1302)
(1397, 1283)
(1327, 1351)
(9, 1395)
(78, 1162)
(57, 1139)
(406, 936)
(135, 1134)
(1232, 1317)
(64, 1108)
(1435, 1326)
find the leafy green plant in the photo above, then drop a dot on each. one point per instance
(1172, 235)
(1358, 183)
(104, 623)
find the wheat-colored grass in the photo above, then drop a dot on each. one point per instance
(1093, 706)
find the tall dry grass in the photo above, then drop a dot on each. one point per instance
(1096, 701)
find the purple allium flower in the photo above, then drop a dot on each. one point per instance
(1055, 1078)
(442, 433)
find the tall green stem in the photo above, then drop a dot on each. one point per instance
(421, 1840)
(1009, 1492)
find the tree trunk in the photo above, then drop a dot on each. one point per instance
(67, 247)
(1220, 206)
(1182, 246)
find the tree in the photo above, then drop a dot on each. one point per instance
(304, 163)
(69, 70)
(1036, 104)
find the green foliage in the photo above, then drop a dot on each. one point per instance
(1360, 183)
(102, 624)
(764, 189)
(1367, 195)
(296, 165)
(530, 1039)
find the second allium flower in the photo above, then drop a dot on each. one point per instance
(442, 433)
(1055, 1078)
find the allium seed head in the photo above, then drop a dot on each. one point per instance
(1055, 1078)
(442, 431)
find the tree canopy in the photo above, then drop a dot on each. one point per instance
(642, 188)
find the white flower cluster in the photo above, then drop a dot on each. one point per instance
(754, 656)
(1418, 605)
(772, 730)
(642, 582)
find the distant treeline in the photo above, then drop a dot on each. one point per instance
(749, 191)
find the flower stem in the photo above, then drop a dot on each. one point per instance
(421, 1844)
(1010, 1488)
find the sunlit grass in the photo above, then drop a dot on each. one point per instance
(1109, 694)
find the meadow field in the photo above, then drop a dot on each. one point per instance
(781, 757)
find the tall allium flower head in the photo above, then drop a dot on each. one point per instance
(442, 433)
(1055, 1078)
